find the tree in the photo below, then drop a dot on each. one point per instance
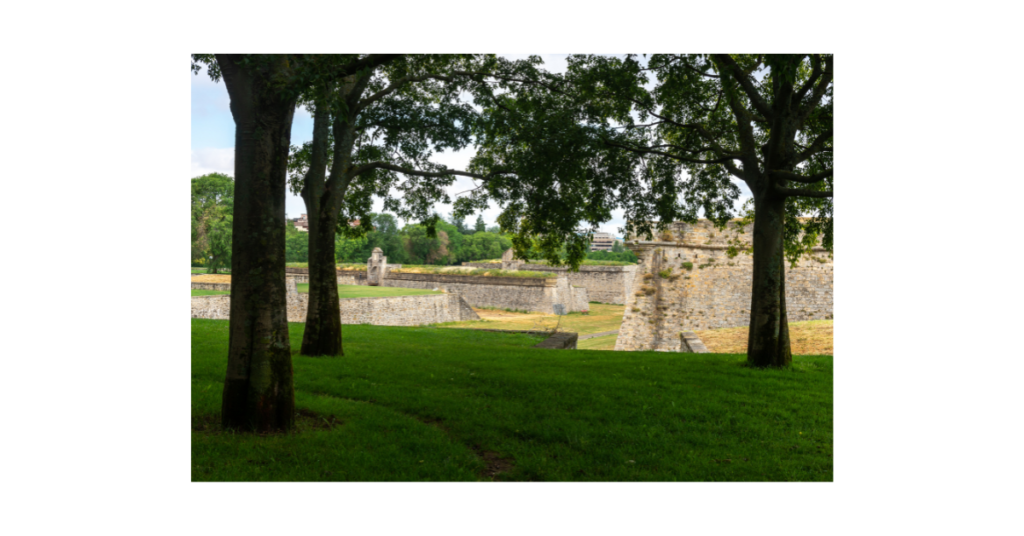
(370, 128)
(480, 226)
(212, 201)
(572, 148)
(264, 89)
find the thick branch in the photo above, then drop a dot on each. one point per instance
(819, 92)
(648, 150)
(815, 147)
(796, 192)
(805, 179)
(446, 173)
(745, 83)
(815, 73)
(371, 61)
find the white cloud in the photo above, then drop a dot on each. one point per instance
(212, 160)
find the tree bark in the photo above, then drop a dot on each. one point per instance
(258, 388)
(768, 339)
(323, 316)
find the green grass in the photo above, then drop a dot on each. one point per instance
(343, 266)
(418, 404)
(600, 318)
(203, 270)
(586, 262)
(598, 343)
(360, 291)
(209, 292)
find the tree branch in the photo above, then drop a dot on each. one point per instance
(819, 92)
(796, 177)
(745, 83)
(446, 173)
(648, 150)
(815, 147)
(797, 192)
(371, 61)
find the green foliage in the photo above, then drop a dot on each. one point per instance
(212, 210)
(688, 266)
(415, 408)
(666, 273)
(660, 138)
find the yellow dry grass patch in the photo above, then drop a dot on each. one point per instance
(813, 337)
(601, 318)
(211, 278)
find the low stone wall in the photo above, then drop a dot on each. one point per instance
(387, 311)
(518, 293)
(217, 306)
(605, 284)
(211, 286)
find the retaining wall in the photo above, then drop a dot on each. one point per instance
(605, 284)
(716, 292)
(388, 311)
(518, 293)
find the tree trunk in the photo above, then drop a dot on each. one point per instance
(258, 388)
(323, 317)
(768, 340)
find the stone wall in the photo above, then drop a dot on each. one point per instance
(389, 311)
(605, 284)
(518, 293)
(211, 286)
(715, 292)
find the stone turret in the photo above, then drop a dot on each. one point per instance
(508, 262)
(376, 268)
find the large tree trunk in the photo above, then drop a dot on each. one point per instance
(768, 340)
(323, 317)
(258, 389)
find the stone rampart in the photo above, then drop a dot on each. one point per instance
(517, 293)
(387, 311)
(211, 286)
(605, 284)
(715, 292)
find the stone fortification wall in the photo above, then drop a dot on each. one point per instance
(211, 286)
(605, 284)
(715, 292)
(390, 311)
(518, 293)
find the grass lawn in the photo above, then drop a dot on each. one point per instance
(427, 404)
(602, 317)
(598, 343)
(811, 337)
(360, 291)
(209, 292)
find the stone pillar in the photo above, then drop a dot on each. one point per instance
(509, 263)
(376, 268)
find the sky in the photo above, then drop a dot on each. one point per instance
(213, 133)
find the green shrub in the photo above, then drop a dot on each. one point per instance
(687, 265)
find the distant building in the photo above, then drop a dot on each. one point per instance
(602, 242)
(302, 223)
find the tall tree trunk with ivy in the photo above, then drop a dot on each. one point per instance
(258, 388)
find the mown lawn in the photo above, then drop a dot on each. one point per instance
(606, 342)
(428, 404)
(601, 318)
(209, 292)
(360, 291)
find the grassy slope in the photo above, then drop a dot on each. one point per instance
(598, 343)
(209, 292)
(359, 291)
(415, 402)
(602, 317)
(811, 337)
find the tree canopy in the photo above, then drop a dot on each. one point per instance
(212, 211)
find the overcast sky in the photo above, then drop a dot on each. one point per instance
(213, 139)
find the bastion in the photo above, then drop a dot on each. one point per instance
(697, 277)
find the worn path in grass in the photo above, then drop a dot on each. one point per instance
(418, 404)
(602, 317)
(812, 337)
(360, 291)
